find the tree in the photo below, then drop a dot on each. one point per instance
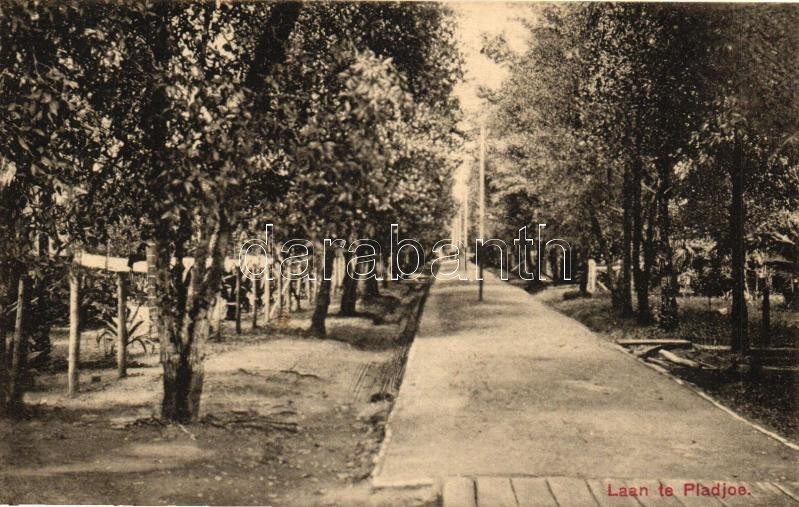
(50, 136)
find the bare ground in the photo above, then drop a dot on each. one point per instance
(770, 400)
(287, 420)
(510, 387)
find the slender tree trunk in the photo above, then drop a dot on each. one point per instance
(3, 361)
(39, 327)
(237, 295)
(582, 263)
(268, 290)
(280, 283)
(322, 302)
(765, 323)
(641, 283)
(386, 273)
(73, 366)
(739, 318)
(122, 327)
(254, 305)
(152, 293)
(596, 229)
(668, 293)
(627, 226)
(349, 291)
(371, 288)
(19, 352)
(649, 253)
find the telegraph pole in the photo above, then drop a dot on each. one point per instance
(482, 204)
(465, 232)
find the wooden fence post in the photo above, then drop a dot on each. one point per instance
(122, 326)
(590, 285)
(19, 349)
(74, 333)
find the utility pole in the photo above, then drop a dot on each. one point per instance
(465, 232)
(482, 204)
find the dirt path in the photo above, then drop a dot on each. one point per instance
(287, 421)
(511, 387)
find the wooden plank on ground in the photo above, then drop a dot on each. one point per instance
(756, 498)
(600, 490)
(674, 358)
(762, 494)
(777, 497)
(495, 492)
(571, 491)
(459, 492)
(790, 488)
(663, 343)
(533, 492)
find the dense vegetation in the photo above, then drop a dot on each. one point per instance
(661, 141)
(189, 126)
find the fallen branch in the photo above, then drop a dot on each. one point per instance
(190, 434)
(250, 420)
(300, 374)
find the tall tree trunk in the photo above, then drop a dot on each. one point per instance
(349, 291)
(641, 288)
(640, 275)
(183, 381)
(151, 291)
(39, 327)
(323, 291)
(19, 353)
(237, 298)
(596, 229)
(255, 293)
(765, 322)
(627, 226)
(739, 318)
(184, 303)
(668, 293)
(649, 252)
(268, 289)
(384, 273)
(582, 263)
(181, 356)
(3, 361)
(371, 289)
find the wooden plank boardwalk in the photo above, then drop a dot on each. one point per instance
(574, 492)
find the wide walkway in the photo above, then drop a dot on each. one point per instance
(508, 387)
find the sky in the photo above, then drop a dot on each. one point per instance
(473, 20)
